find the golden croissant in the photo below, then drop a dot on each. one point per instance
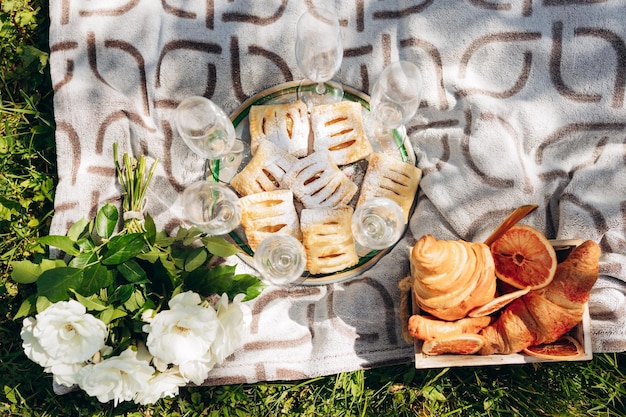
(451, 277)
(544, 315)
(426, 328)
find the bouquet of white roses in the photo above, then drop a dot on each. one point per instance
(134, 314)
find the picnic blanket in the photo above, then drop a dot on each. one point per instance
(523, 104)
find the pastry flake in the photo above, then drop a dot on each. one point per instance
(338, 127)
(265, 170)
(267, 213)
(286, 125)
(388, 177)
(327, 239)
(317, 181)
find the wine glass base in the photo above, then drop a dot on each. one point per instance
(307, 92)
(384, 140)
(225, 168)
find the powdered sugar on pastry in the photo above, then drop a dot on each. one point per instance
(327, 239)
(264, 171)
(317, 181)
(338, 127)
(388, 177)
(286, 125)
(268, 213)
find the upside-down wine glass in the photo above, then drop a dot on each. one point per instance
(212, 207)
(377, 224)
(281, 260)
(209, 133)
(394, 100)
(319, 52)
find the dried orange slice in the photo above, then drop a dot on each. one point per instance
(565, 347)
(497, 303)
(462, 344)
(524, 257)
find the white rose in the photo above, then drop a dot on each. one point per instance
(63, 333)
(233, 318)
(197, 371)
(31, 346)
(161, 385)
(118, 378)
(65, 374)
(184, 333)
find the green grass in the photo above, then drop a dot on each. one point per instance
(27, 179)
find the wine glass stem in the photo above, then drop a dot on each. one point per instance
(320, 88)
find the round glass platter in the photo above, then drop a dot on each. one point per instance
(285, 93)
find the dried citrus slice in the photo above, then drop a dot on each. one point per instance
(497, 303)
(524, 257)
(462, 344)
(565, 347)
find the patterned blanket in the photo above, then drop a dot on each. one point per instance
(523, 104)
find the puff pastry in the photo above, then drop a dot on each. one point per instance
(286, 125)
(338, 127)
(388, 177)
(264, 171)
(318, 182)
(267, 213)
(327, 239)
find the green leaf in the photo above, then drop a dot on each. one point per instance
(62, 242)
(246, 284)
(95, 277)
(123, 247)
(109, 314)
(150, 228)
(77, 229)
(121, 294)
(86, 245)
(189, 236)
(106, 220)
(219, 246)
(27, 272)
(42, 303)
(27, 307)
(135, 301)
(91, 303)
(216, 280)
(195, 259)
(132, 272)
(54, 284)
(152, 256)
(83, 260)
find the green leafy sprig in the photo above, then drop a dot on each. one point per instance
(118, 276)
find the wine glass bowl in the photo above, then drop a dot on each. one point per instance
(377, 223)
(395, 97)
(281, 260)
(319, 52)
(212, 207)
(204, 127)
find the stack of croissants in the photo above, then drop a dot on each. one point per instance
(451, 280)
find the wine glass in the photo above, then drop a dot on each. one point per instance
(377, 223)
(281, 260)
(209, 133)
(394, 100)
(319, 52)
(212, 207)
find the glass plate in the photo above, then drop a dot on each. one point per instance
(285, 93)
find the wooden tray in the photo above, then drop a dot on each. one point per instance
(582, 333)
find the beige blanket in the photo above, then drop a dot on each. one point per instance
(524, 103)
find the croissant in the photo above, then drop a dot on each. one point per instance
(450, 278)
(544, 315)
(426, 328)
